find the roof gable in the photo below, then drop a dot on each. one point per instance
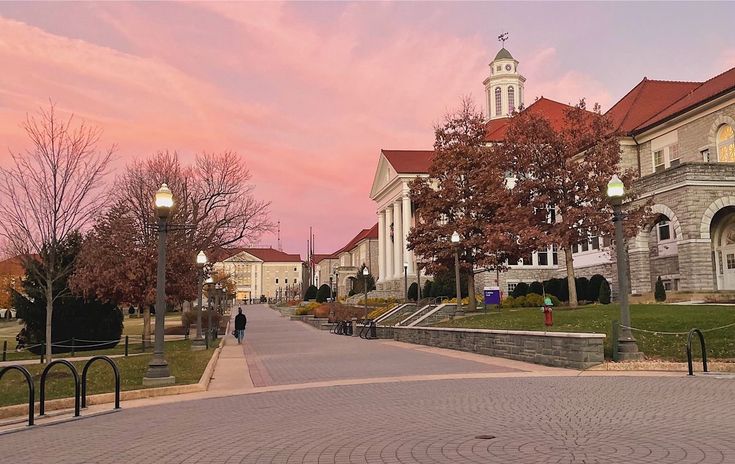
(645, 100)
(409, 161)
(365, 234)
(553, 111)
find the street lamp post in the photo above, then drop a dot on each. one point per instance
(218, 304)
(455, 241)
(627, 347)
(331, 289)
(418, 282)
(198, 342)
(336, 285)
(405, 282)
(365, 273)
(158, 371)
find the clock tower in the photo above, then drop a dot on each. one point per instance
(504, 86)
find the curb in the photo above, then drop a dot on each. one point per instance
(15, 410)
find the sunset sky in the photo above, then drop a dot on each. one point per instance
(308, 93)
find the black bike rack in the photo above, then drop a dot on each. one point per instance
(31, 387)
(689, 350)
(42, 395)
(115, 370)
(369, 330)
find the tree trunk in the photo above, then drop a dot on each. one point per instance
(49, 316)
(571, 284)
(146, 324)
(472, 305)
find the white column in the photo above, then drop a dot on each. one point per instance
(398, 247)
(381, 246)
(407, 255)
(388, 273)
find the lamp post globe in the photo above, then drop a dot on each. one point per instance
(158, 372)
(198, 342)
(456, 239)
(627, 347)
(365, 274)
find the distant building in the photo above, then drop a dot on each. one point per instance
(341, 267)
(260, 272)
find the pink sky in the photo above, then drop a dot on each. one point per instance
(308, 93)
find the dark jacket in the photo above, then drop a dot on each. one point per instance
(240, 322)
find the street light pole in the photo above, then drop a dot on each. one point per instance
(455, 241)
(158, 372)
(365, 273)
(405, 282)
(198, 342)
(627, 347)
(218, 303)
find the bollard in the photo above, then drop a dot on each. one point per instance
(615, 337)
(72, 346)
(127, 341)
(206, 340)
(5, 350)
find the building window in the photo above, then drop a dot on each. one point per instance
(658, 161)
(595, 243)
(276, 280)
(285, 281)
(725, 144)
(555, 255)
(498, 101)
(673, 155)
(719, 259)
(511, 100)
(664, 230)
(731, 261)
(543, 257)
(584, 246)
(294, 269)
(511, 287)
(705, 155)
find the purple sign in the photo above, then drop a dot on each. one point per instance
(491, 295)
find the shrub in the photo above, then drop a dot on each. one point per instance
(604, 292)
(558, 288)
(351, 292)
(322, 294)
(310, 293)
(536, 287)
(533, 300)
(413, 292)
(302, 311)
(444, 285)
(660, 293)
(520, 290)
(594, 287)
(581, 284)
(519, 302)
(427, 289)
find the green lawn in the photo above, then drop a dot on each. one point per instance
(598, 318)
(186, 365)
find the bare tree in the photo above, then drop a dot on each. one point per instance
(51, 190)
(213, 196)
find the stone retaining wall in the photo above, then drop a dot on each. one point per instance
(573, 350)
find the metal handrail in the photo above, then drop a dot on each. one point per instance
(42, 394)
(689, 350)
(31, 387)
(115, 370)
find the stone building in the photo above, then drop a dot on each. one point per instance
(260, 272)
(341, 267)
(679, 138)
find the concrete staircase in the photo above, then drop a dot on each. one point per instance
(436, 314)
(416, 315)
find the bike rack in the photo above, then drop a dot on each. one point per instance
(31, 388)
(689, 350)
(115, 370)
(368, 330)
(42, 395)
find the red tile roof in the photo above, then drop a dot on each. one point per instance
(646, 100)
(554, 111)
(318, 258)
(409, 161)
(12, 266)
(364, 234)
(268, 255)
(703, 92)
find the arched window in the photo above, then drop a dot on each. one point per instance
(511, 99)
(498, 102)
(725, 144)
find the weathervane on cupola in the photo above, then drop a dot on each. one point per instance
(502, 38)
(504, 85)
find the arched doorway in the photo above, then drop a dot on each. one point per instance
(722, 233)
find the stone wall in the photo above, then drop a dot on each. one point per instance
(572, 350)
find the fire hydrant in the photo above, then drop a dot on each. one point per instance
(548, 312)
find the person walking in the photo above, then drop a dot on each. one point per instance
(240, 323)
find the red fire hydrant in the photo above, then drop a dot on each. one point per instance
(548, 312)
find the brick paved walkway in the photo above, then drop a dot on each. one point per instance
(543, 419)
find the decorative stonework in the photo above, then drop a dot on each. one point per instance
(715, 206)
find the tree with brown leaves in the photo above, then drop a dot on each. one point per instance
(566, 169)
(465, 192)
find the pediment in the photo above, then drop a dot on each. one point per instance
(243, 256)
(384, 175)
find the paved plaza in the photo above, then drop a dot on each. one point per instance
(312, 397)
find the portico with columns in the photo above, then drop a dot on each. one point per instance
(390, 191)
